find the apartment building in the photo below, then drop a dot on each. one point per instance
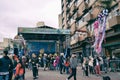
(60, 21)
(80, 15)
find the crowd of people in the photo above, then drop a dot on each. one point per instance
(12, 67)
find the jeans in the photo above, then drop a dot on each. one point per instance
(67, 70)
(21, 77)
(73, 73)
(4, 77)
(35, 72)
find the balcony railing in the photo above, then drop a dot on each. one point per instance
(85, 7)
(75, 8)
(68, 9)
(78, 2)
(71, 3)
(88, 17)
(115, 20)
(78, 14)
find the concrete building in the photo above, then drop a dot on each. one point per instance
(7, 42)
(60, 21)
(79, 16)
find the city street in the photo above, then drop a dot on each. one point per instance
(55, 75)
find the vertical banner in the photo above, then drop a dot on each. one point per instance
(99, 30)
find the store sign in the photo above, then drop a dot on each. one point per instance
(43, 31)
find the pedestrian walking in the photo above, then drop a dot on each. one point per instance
(11, 67)
(19, 74)
(45, 61)
(5, 65)
(90, 63)
(73, 66)
(67, 65)
(85, 66)
(96, 63)
(61, 63)
(34, 62)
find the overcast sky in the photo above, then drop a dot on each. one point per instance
(26, 13)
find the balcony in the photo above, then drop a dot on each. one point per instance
(95, 12)
(72, 29)
(68, 9)
(71, 3)
(72, 7)
(75, 8)
(85, 7)
(81, 25)
(70, 15)
(114, 21)
(78, 3)
(82, 6)
(91, 2)
(75, 15)
(78, 15)
(68, 25)
(88, 17)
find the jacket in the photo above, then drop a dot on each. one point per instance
(19, 70)
(73, 62)
(5, 65)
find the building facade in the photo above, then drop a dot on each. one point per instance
(79, 16)
(7, 43)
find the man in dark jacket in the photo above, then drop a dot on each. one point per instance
(34, 62)
(5, 65)
(61, 62)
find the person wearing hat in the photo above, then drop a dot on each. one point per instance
(5, 65)
(73, 66)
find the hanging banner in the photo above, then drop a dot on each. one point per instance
(99, 30)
